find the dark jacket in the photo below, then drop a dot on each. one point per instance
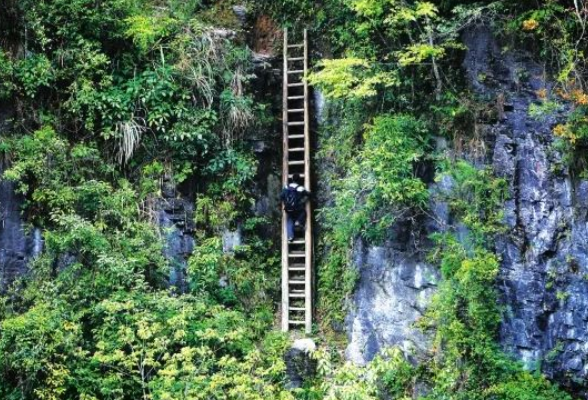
(304, 195)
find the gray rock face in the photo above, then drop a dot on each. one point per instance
(175, 217)
(240, 11)
(232, 240)
(393, 291)
(17, 246)
(299, 362)
(395, 287)
(318, 106)
(543, 282)
(266, 143)
(544, 266)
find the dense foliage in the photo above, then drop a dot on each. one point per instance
(393, 56)
(113, 98)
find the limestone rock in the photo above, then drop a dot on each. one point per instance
(240, 11)
(544, 253)
(17, 245)
(175, 218)
(299, 363)
(393, 291)
(231, 240)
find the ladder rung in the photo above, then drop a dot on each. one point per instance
(295, 282)
(296, 59)
(298, 241)
(292, 176)
(297, 295)
(297, 123)
(296, 269)
(296, 84)
(297, 255)
(297, 309)
(293, 46)
(295, 162)
(295, 97)
(296, 149)
(296, 71)
(296, 322)
(295, 136)
(296, 110)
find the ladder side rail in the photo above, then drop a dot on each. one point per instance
(285, 170)
(308, 234)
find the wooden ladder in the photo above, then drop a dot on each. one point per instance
(297, 255)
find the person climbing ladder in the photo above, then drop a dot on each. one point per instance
(294, 197)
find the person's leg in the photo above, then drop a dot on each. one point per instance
(290, 226)
(301, 219)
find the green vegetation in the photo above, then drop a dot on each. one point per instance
(111, 98)
(375, 75)
(379, 185)
(559, 32)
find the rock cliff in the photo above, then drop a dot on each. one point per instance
(544, 257)
(543, 281)
(17, 244)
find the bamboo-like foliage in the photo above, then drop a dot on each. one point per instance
(129, 135)
(236, 108)
(199, 51)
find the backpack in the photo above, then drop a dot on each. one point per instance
(292, 199)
